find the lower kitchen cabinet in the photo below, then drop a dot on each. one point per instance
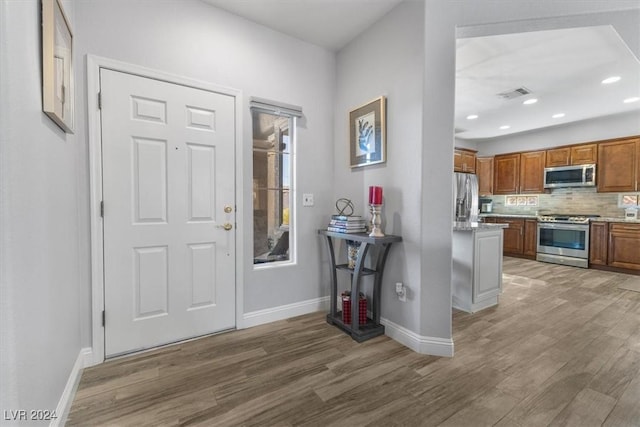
(520, 238)
(624, 246)
(530, 242)
(598, 236)
(476, 280)
(513, 236)
(615, 246)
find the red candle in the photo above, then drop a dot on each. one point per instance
(375, 195)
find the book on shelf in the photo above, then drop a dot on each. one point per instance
(344, 230)
(352, 224)
(349, 218)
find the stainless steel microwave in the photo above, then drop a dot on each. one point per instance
(570, 176)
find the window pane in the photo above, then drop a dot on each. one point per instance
(270, 225)
(272, 169)
(272, 185)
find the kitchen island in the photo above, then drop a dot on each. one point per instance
(476, 278)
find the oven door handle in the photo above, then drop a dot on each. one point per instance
(578, 227)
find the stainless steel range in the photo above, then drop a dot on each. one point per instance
(564, 239)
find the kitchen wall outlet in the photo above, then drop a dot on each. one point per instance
(401, 291)
(307, 199)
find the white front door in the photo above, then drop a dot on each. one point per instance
(168, 190)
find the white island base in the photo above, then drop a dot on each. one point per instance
(477, 266)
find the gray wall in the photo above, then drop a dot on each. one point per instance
(192, 39)
(387, 60)
(40, 261)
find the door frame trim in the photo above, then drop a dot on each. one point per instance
(94, 64)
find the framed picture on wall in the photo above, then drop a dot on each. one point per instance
(367, 134)
(57, 66)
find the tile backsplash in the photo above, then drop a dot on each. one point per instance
(566, 200)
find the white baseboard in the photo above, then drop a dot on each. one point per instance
(282, 312)
(84, 359)
(418, 343)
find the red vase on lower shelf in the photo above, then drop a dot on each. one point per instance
(346, 308)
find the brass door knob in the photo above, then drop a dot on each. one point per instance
(227, 226)
(228, 209)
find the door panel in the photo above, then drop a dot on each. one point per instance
(168, 171)
(149, 180)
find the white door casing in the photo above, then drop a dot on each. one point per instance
(168, 174)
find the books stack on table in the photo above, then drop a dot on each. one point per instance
(347, 224)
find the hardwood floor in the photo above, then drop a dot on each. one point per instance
(561, 349)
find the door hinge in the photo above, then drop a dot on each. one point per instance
(99, 100)
(103, 318)
(102, 208)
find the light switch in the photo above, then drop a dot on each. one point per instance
(307, 199)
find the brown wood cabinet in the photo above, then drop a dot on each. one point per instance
(520, 239)
(558, 157)
(532, 172)
(583, 154)
(513, 236)
(530, 243)
(506, 174)
(484, 171)
(624, 246)
(598, 248)
(619, 165)
(464, 160)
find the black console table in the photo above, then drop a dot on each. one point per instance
(372, 328)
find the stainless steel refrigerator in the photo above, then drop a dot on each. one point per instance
(465, 197)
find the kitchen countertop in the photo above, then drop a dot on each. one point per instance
(613, 219)
(473, 226)
(501, 215)
(530, 216)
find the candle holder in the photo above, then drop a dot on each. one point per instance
(376, 221)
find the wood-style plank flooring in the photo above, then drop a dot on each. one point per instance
(561, 349)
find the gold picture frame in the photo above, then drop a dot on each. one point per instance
(57, 65)
(367, 133)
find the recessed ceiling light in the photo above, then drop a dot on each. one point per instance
(472, 116)
(610, 80)
(632, 99)
(504, 127)
(530, 101)
(557, 116)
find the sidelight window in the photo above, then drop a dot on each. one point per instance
(273, 180)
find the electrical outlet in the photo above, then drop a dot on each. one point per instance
(401, 291)
(307, 199)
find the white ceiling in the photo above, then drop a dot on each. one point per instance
(562, 68)
(327, 23)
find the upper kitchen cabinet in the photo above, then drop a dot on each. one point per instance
(558, 157)
(583, 154)
(519, 173)
(464, 160)
(506, 173)
(532, 172)
(484, 171)
(619, 165)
